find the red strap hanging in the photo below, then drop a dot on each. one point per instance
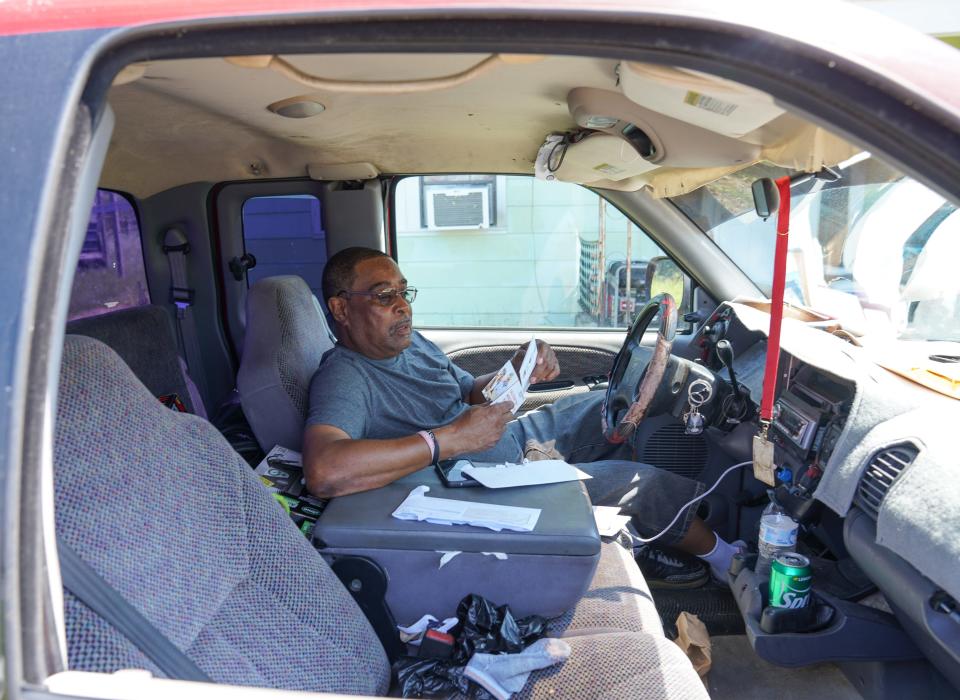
(776, 301)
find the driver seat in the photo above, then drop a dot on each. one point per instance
(286, 337)
(172, 518)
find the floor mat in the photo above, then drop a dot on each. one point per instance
(739, 674)
(713, 604)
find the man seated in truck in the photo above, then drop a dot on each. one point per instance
(386, 402)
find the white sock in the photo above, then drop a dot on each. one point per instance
(719, 557)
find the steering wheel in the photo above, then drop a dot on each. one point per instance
(634, 380)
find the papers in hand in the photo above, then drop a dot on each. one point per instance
(548, 471)
(508, 384)
(609, 520)
(441, 511)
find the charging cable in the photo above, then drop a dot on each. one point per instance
(646, 540)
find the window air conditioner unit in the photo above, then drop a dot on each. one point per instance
(457, 207)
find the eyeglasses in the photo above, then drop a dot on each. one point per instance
(388, 297)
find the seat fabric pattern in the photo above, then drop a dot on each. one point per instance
(614, 666)
(286, 337)
(163, 509)
(145, 340)
(618, 599)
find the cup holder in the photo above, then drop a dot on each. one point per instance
(829, 629)
(815, 616)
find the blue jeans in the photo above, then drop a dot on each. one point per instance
(571, 429)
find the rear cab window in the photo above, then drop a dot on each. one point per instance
(285, 234)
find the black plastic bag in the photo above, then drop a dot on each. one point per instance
(488, 629)
(436, 678)
(484, 628)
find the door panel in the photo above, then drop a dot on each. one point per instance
(585, 357)
(580, 368)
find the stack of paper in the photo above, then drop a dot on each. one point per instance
(547, 471)
(441, 511)
(508, 384)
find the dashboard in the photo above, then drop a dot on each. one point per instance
(811, 406)
(861, 448)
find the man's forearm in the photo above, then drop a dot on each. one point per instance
(342, 466)
(348, 466)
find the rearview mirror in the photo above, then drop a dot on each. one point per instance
(766, 197)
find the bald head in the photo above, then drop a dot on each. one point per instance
(341, 270)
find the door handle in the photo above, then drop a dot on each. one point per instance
(555, 385)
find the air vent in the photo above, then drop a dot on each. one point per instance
(881, 472)
(672, 449)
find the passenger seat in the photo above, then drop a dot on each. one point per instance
(161, 507)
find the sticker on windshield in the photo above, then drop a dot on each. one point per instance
(711, 104)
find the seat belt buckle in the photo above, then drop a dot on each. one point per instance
(436, 645)
(173, 402)
(182, 297)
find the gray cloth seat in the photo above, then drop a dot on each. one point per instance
(621, 666)
(618, 600)
(145, 340)
(161, 507)
(286, 337)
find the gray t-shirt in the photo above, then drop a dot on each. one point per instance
(420, 389)
(380, 399)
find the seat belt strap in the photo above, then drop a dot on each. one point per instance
(90, 589)
(176, 246)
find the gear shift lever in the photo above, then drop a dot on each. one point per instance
(725, 354)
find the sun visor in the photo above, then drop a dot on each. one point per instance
(597, 156)
(718, 105)
(809, 149)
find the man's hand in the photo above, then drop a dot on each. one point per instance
(476, 429)
(547, 367)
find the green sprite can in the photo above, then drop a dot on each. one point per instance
(790, 581)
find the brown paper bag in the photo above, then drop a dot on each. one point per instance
(693, 638)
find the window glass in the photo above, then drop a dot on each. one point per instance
(110, 274)
(286, 236)
(518, 252)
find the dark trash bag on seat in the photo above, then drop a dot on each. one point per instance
(483, 627)
(489, 629)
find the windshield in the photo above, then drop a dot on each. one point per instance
(875, 249)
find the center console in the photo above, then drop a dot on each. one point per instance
(429, 567)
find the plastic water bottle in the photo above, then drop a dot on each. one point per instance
(778, 533)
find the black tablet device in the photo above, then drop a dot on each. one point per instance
(451, 473)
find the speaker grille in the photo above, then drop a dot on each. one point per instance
(672, 449)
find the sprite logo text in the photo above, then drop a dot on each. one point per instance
(793, 599)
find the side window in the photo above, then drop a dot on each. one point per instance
(110, 275)
(514, 251)
(285, 234)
